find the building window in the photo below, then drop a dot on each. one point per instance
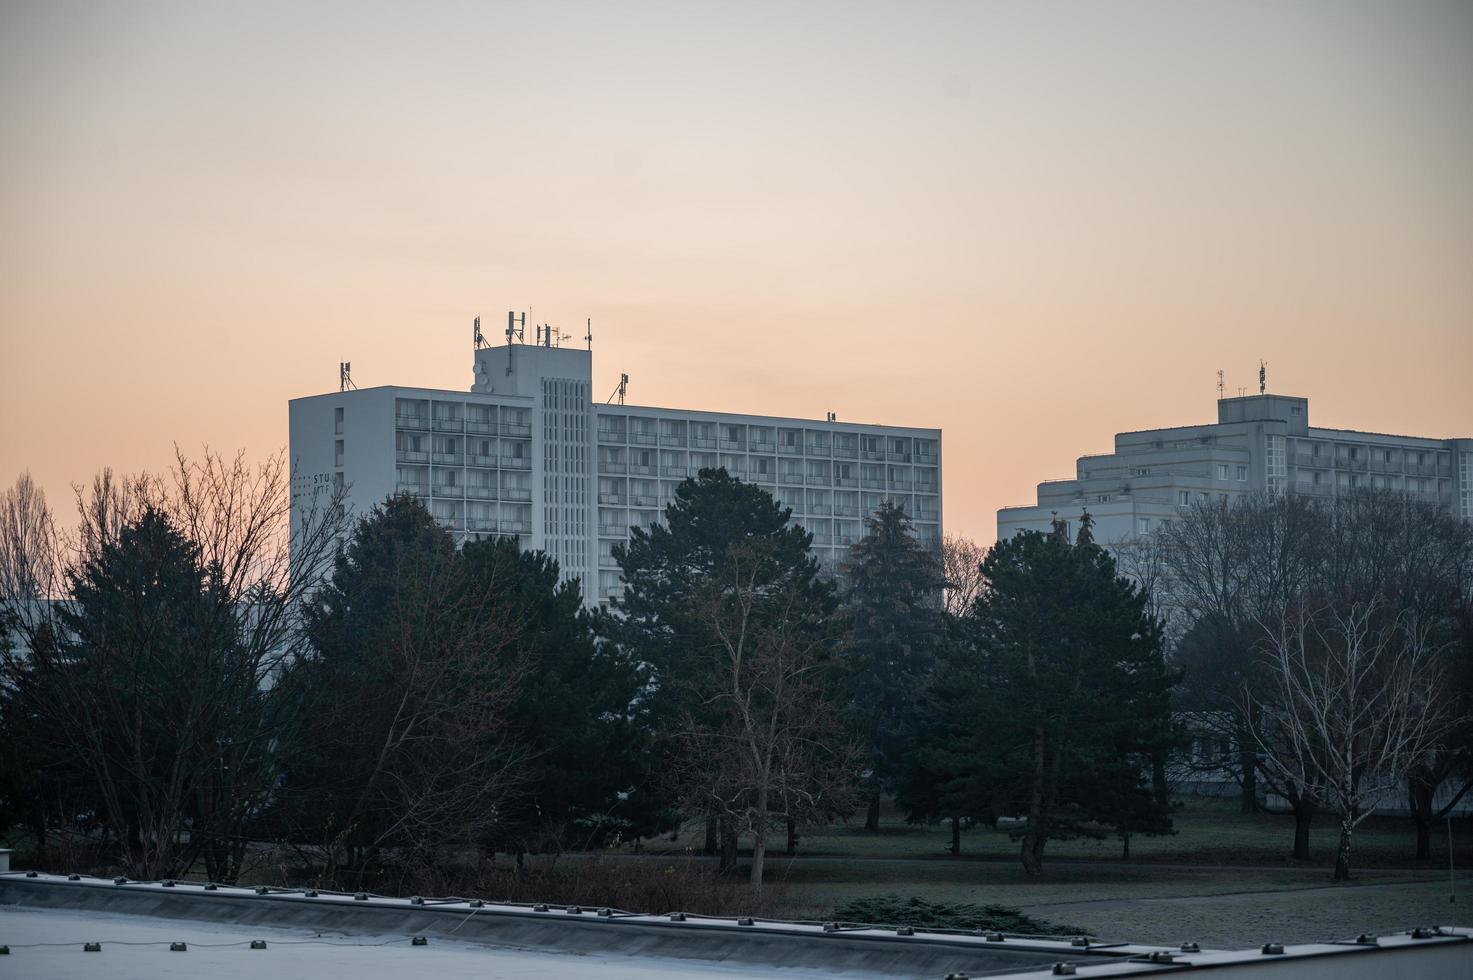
(1184, 498)
(337, 420)
(1222, 471)
(337, 451)
(1242, 474)
(1143, 525)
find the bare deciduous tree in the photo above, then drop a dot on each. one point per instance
(1354, 705)
(961, 566)
(767, 744)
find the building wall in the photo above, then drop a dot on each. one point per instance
(527, 452)
(1259, 443)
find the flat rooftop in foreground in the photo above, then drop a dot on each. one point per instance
(189, 929)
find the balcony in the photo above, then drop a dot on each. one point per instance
(449, 425)
(927, 515)
(819, 479)
(413, 489)
(639, 469)
(449, 490)
(762, 447)
(611, 435)
(516, 527)
(845, 510)
(450, 523)
(670, 440)
(845, 481)
(790, 449)
(761, 478)
(607, 561)
(480, 492)
(820, 510)
(904, 485)
(644, 438)
(677, 471)
(472, 459)
(1424, 469)
(846, 539)
(846, 452)
(480, 427)
(925, 487)
(613, 499)
(702, 442)
(515, 463)
(480, 524)
(448, 459)
(822, 541)
(927, 457)
(609, 466)
(516, 430)
(411, 456)
(523, 494)
(814, 449)
(898, 457)
(872, 484)
(731, 445)
(873, 454)
(613, 530)
(640, 500)
(417, 422)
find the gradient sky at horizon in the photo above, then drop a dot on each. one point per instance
(1032, 224)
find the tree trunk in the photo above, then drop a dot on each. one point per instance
(1249, 798)
(792, 837)
(728, 836)
(956, 836)
(759, 841)
(1032, 854)
(872, 815)
(1158, 778)
(1125, 847)
(709, 849)
(1419, 802)
(1342, 852)
(1303, 819)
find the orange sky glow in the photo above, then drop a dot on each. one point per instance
(1032, 224)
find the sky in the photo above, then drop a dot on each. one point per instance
(1031, 224)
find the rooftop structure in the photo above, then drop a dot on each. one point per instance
(1259, 443)
(78, 927)
(529, 451)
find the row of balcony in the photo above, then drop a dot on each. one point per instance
(486, 525)
(617, 438)
(1397, 467)
(463, 459)
(1332, 490)
(423, 423)
(468, 492)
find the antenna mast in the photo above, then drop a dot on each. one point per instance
(1219, 384)
(622, 387)
(589, 335)
(1262, 376)
(345, 376)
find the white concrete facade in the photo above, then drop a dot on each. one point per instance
(1259, 443)
(527, 452)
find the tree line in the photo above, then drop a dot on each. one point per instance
(377, 697)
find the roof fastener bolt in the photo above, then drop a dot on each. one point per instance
(958, 976)
(263, 890)
(1366, 939)
(1272, 949)
(606, 913)
(1080, 941)
(73, 877)
(476, 903)
(33, 874)
(746, 920)
(416, 900)
(1191, 947)
(677, 916)
(4, 950)
(1161, 956)
(575, 910)
(830, 927)
(178, 947)
(419, 941)
(120, 880)
(905, 931)
(994, 937)
(310, 893)
(1422, 932)
(1064, 969)
(212, 887)
(92, 947)
(360, 896)
(168, 883)
(539, 908)
(258, 944)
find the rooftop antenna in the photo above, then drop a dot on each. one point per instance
(345, 376)
(1219, 384)
(622, 387)
(589, 335)
(1242, 391)
(1262, 376)
(515, 331)
(833, 417)
(477, 338)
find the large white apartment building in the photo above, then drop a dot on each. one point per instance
(529, 452)
(1259, 442)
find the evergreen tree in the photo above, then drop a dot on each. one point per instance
(1068, 693)
(669, 572)
(580, 712)
(892, 601)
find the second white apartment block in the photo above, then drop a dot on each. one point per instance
(528, 452)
